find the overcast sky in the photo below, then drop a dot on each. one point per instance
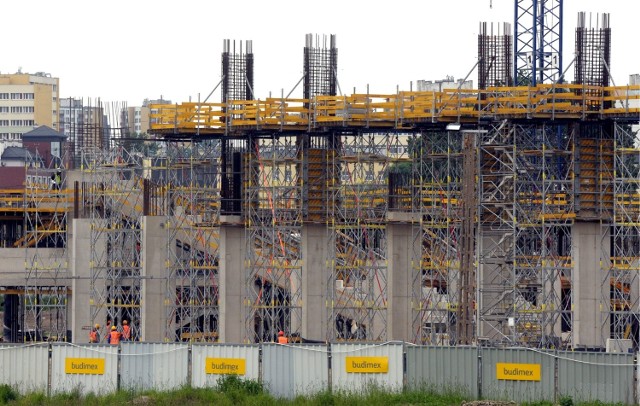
(129, 50)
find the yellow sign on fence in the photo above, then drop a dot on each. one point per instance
(91, 366)
(370, 365)
(518, 372)
(225, 366)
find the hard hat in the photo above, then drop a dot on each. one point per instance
(124, 322)
(113, 327)
(97, 325)
(280, 333)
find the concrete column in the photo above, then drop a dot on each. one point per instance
(588, 287)
(231, 304)
(153, 256)
(315, 275)
(80, 246)
(399, 283)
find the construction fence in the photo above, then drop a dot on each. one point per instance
(286, 371)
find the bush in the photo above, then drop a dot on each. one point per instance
(7, 394)
(565, 401)
(231, 383)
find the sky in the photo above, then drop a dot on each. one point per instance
(129, 50)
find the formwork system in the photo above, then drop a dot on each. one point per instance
(46, 291)
(192, 193)
(358, 229)
(538, 42)
(273, 209)
(112, 192)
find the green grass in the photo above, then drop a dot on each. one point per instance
(233, 391)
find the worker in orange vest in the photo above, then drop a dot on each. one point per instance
(126, 331)
(94, 335)
(281, 338)
(115, 336)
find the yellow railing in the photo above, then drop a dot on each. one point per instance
(398, 110)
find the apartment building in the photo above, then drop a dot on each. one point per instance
(26, 101)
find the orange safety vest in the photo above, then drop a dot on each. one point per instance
(115, 338)
(126, 332)
(283, 340)
(93, 337)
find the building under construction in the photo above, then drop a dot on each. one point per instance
(503, 215)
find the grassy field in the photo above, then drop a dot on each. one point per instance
(233, 391)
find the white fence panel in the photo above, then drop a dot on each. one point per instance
(358, 367)
(25, 368)
(156, 366)
(295, 369)
(87, 369)
(209, 362)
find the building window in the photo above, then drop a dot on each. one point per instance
(28, 96)
(4, 123)
(4, 109)
(4, 96)
(16, 96)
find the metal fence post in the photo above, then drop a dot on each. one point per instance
(479, 372)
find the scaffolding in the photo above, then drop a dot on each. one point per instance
(437, 174)
(525, 218)
(47, 203)
(273, 208)
(112, 182)
(192, 186)
(357, 227)
(621, 244)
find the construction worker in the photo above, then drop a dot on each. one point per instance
(126, 331)
(107, 335)
(114, 336)
(282, 339)
(94, 334)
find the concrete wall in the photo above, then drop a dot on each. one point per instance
(399, 284)
(80, 243)
(588, 289)
(315, 274)
(232, 284)
(153, 254)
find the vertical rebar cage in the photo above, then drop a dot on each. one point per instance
(495, 62)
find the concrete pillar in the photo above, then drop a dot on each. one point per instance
(153, 255)
(315, 275)
(588, 287)
(80, 246)
(231, 304)
(399, 283)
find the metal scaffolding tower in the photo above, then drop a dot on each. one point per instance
(437, 174)
(357, 228)
(621, 244)
(526, 214)
(48, 203)
(538, 41)
(192, 187)
(113, 193)
(273, 210)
